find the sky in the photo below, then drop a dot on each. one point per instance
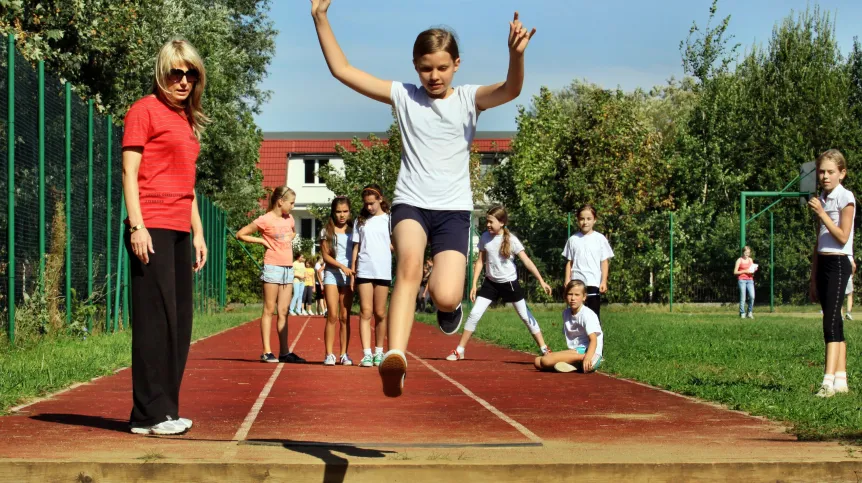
(613, 43)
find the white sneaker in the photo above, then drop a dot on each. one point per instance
(564, 367)
(841, 388)
(292, 312)
(345, 360)
(750, 315)
(165, 428)
(330, 360)
(186, 422)
(393, 372)
(741, 316)
(847, 316)
(455, 356)
(825, 391)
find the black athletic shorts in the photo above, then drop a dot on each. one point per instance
(508, 292)
(445, 229)
(377, 282)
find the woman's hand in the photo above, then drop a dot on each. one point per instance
(348, 272)
(200, 252)
(142, 245)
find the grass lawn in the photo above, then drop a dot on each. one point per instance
(769, 366)
(35, 368)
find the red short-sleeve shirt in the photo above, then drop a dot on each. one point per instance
(166, 178)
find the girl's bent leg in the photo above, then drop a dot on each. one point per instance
(446, 284)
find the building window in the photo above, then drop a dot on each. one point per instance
(312, 170)
(320, 164)
(306, 228)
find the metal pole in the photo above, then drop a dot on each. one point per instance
(771, 262)
(89, 206)
(68, 203)
(121, 249)
(223, 259)
(41, 70)
(670, 295)
(742, 222)
(108, 232)
(10, 184)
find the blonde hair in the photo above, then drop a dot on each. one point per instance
(833, 155)
(279, 193)
(174, 52)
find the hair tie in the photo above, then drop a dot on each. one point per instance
(373, 191)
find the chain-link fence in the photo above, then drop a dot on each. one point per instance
(61, 180)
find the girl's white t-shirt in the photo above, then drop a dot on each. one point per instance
(587, 252)
(833, 203)
(374, 260)
(436, 136)
(497, 268)
(578, 327)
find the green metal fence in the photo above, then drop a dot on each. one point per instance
(58, 152)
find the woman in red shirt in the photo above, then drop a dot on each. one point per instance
(160, 150)
(744, 271)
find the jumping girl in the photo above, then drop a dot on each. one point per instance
(372, 260)
(277, 230)
(336, 245)
(588, 253)
(498, 248)
(830, 267)
(433, 198)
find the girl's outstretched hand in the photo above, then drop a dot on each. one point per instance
(546, 288)
(319, 7)
(518, 35)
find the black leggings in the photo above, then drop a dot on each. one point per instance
(833, 271)
(594, 300)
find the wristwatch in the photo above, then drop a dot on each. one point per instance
(135, 228)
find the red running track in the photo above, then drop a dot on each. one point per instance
(493, 398)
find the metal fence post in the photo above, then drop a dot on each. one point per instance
(108, 232)
(671, 262)
(89, 207)
(68, 298)
(41, 74)
(10, 184)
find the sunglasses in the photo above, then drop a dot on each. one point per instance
(176, 75)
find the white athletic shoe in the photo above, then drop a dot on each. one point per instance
(165, 428)
(345, 360)
(186, 422)
(750, 315)
(393, 371)
(455, 356)
(847, 316)
(841, 388)
(330, 360)
(564, 367)
(741, 316)
(825, 391)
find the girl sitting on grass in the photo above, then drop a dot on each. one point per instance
(583, 334)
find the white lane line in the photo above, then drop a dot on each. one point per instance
(500, 414)
(247, 423)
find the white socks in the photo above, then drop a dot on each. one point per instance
(460, 350)
(378, 350)
(840, 383)
(828, 380)
(366, 352)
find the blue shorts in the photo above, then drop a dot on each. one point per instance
(277, 274)
(445, 229)
(334, 276)
(597, 359)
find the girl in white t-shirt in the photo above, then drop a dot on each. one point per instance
(497, 251)
(830, 268)
(588, 253)
(372, 260)
(583, 333)
(433, 199)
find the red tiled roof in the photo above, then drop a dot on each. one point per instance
(274, 153)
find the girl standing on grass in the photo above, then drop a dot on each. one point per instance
(336, 245)
(583, 334)
(433, 199)
(372, 259)
(745, 279)
(277, 231)
(497, 249)
(588, 253)
(830, 267)
(308, 292)
(298, 286)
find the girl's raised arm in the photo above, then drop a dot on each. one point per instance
(360, 81)
(503, 92)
